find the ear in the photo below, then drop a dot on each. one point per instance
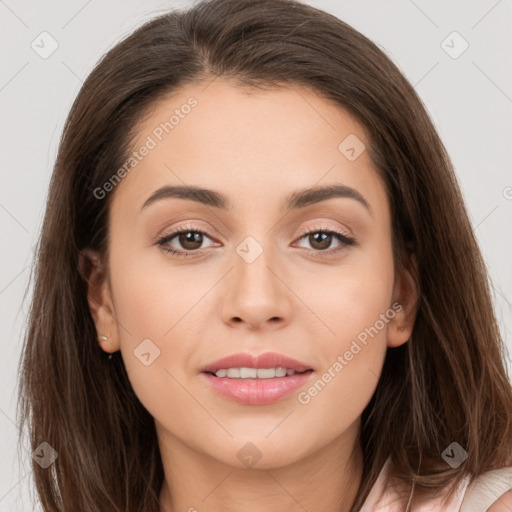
(99, 297)
(405, 302)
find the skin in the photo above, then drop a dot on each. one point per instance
(256, 147)
(503, 504)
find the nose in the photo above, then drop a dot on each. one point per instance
(257, 294)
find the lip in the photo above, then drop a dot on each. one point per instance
(257, 391)
(266, 360)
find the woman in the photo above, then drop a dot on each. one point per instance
(252, 214)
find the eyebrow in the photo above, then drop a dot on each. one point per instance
(297, 199)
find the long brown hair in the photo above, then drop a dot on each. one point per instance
(447, 384)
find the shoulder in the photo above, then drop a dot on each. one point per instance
(490, 492)
(502, 504)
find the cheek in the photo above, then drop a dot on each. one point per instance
(352, 360)
(354, 304)
(350, 301)
(152, 296)
(154, 311)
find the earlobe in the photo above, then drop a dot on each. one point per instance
(405, 297)
(99, 298)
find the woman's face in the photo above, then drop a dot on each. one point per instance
(248, 279)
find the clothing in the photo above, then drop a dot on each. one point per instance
(475, 497)
(486, 489)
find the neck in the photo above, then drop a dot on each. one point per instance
(326, 480)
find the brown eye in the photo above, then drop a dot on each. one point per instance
(320, 240)
(190, 240)
(183, 242)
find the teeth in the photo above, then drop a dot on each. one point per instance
(254, 373)
(280, 372)
(266, 373)
(248, 373)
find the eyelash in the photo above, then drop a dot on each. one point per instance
(345, 240)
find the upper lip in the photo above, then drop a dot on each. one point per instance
(266, 360)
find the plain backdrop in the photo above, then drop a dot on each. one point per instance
(468, 94)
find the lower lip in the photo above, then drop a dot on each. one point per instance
(257, 391)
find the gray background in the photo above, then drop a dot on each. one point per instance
(469, 98)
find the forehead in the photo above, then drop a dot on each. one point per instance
(249, 143)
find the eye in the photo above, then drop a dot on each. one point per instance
(321, 238)
(189, 237)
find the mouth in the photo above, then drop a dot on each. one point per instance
(256, 380)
